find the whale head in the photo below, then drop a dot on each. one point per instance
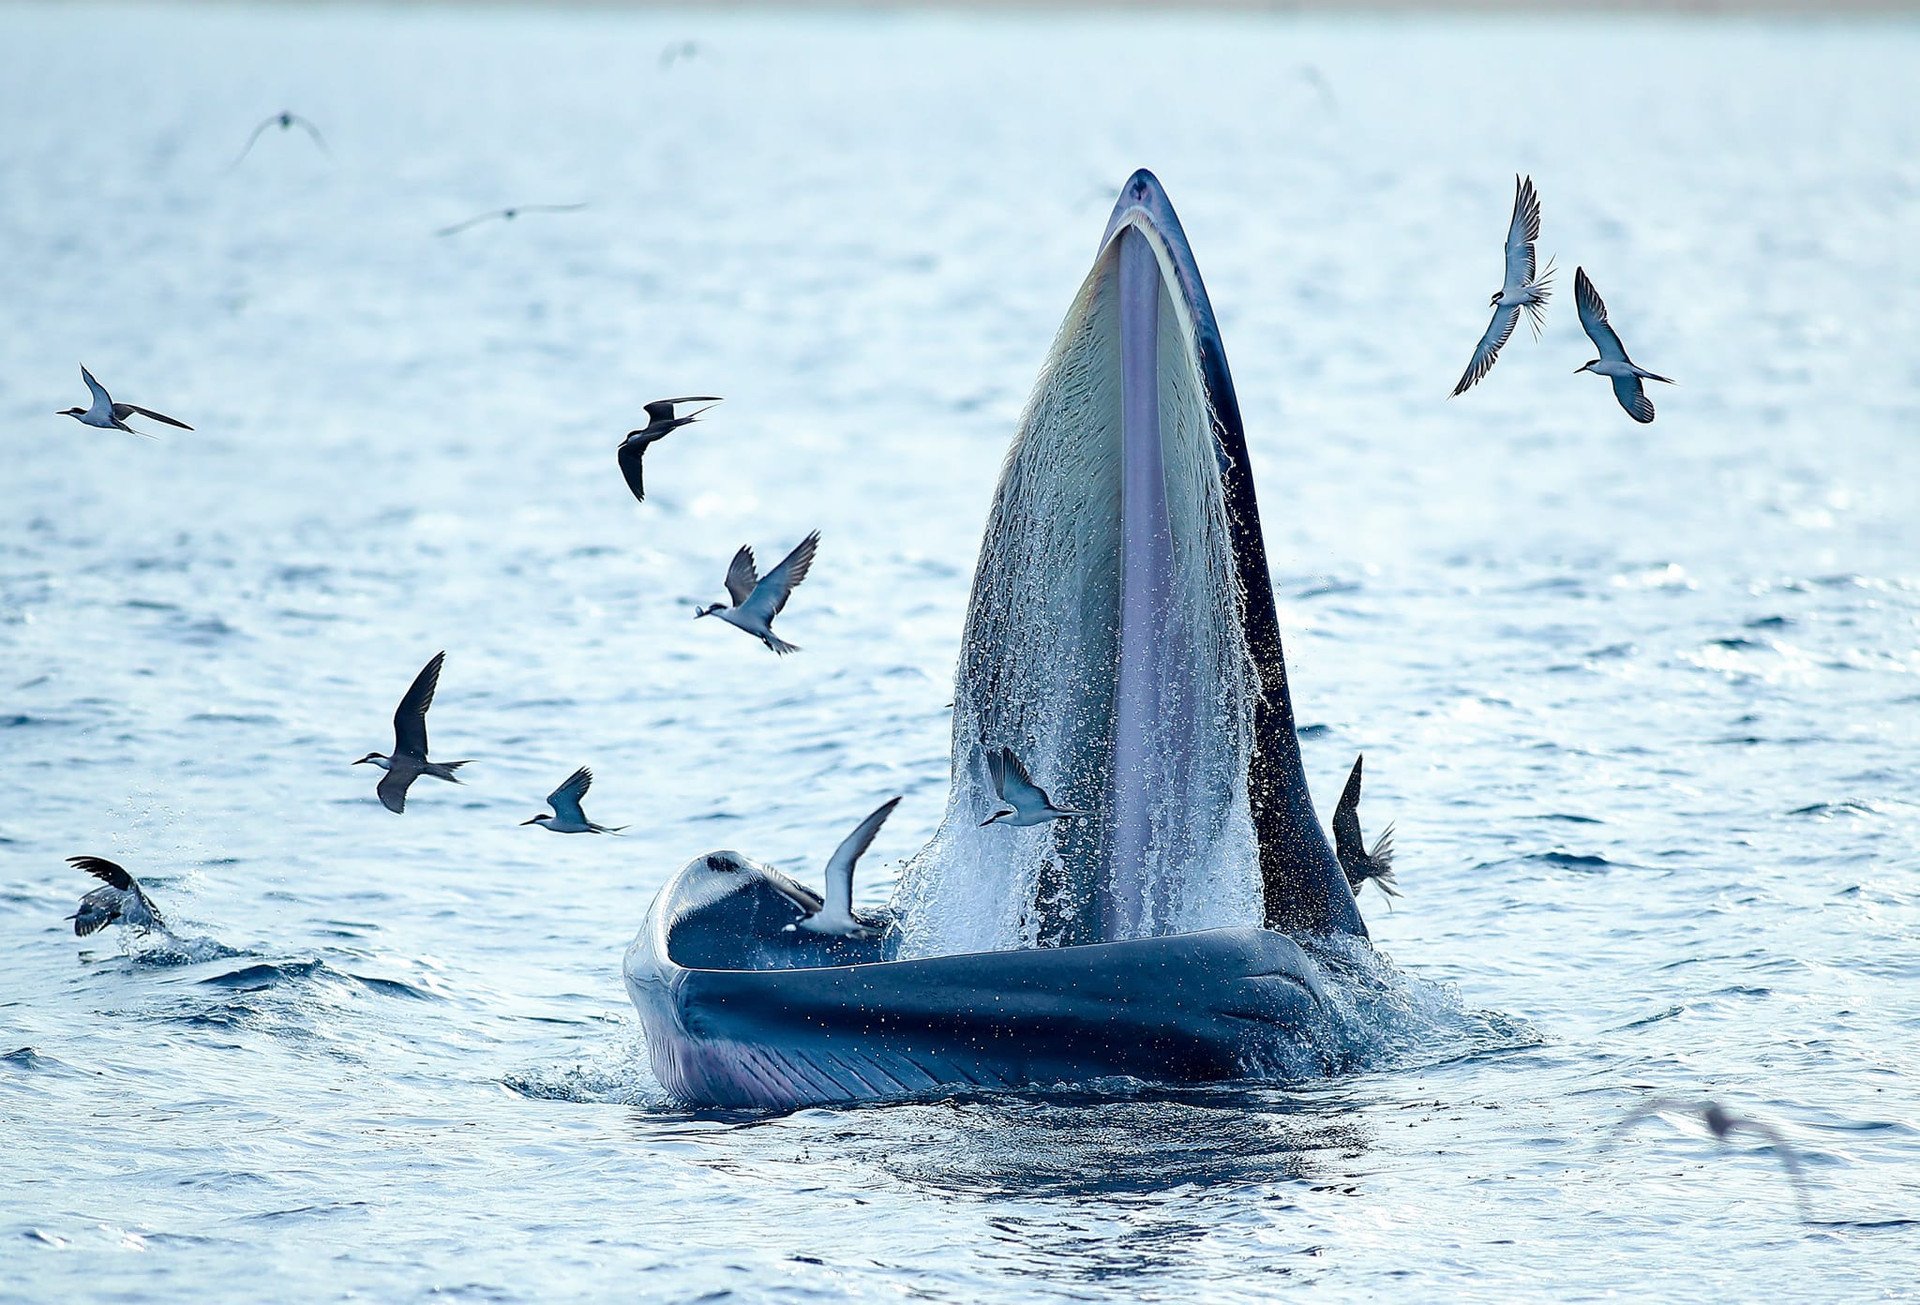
(1121, 638)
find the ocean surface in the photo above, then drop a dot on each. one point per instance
(1642, 701)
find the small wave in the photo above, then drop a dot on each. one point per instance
(619, 1076)
(26, 1058)
(265, 975)
(164, 949)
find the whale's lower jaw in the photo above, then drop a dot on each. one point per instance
(1204, 1007)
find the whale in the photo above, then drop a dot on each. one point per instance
(1122, 638)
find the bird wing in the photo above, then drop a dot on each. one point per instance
(257, 131)
(98, 909)
(393, 787)
(1774, 1137)
(1347, 842)
(742, 576)
(662, 409)
(631, 453)
(100, 396)
(565, 800)
(1633, 397)
(997, 771)
(121, 410)
(1017, 785)
(106, 871)
(410, 719)
(1593, 320)
(312, 131)
(1381, 853)
(1522, 231)
(458, 227)
(1487, 352)
(548, 208)
(840, 865)
(771, 594)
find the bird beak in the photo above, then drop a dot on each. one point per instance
(534, 821)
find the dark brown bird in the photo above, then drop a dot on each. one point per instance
(660, 420)
(121, 901)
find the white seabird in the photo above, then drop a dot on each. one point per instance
(567, 817)
(660, 420)
(409, 759)
(121, 901)
(835, 914)
(286, 121)
(507, 215)
(1359, 863)
(1613, 361)
(757, 601)
(1026, 802)
(108, 415)
(1520, 290)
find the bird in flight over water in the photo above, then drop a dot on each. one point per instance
(409, 760)
(567, 817)
(507, 215)
(285, 121)
(1520, 290)
(1723, 1123)
(756, 601)
(108, 415)
(1360, 863)
(660, 420)
(1022, 802)
(122, 901)
(835, 915)
(1613, 361)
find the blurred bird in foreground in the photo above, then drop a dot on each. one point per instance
(1722, 1123)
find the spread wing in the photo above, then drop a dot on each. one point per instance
(662, 409)
(410, 720)
(122, 409)
(393, 787)
(1487, 352)
(742, 576)
(1522, 231)
(1347, 842)
(840, 865)
(771, 594)
(1017, 785)
(106, 871)
(475, 221)
(997, 771)
(101, 399)
(1633, 397)
(1593, 320)
(565, 800)
(312, 131)
(631, 452)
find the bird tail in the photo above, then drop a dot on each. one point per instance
(1646, 375)
(781, 646)
(1539, 290)
(444, 769)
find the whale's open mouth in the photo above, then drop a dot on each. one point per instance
(1121, 640)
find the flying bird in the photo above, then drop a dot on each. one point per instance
(121, 901)
(1359, 863)
(1613, 361)
(108, 415)
(676, 51)
(1520, 290)
(1023, 802)
(507, 215)
(660, 420)
(835, 915)
(1723, 1123)
(286, 121)
(567, 817)
(409, 760)
(757, 601)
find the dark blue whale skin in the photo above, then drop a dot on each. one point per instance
(742, 1011)
(804, 1021)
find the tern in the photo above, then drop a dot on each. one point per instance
(1026, 803)
(108, 415)
(409, 760)
(285, 121)
(1359, 863)
(507, 215)
(1521, 289)
(1722, 1123)
(835, 914)
(660, 420)
(567, 817)
(1613, 361)
(122, 901)
(757, 601)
